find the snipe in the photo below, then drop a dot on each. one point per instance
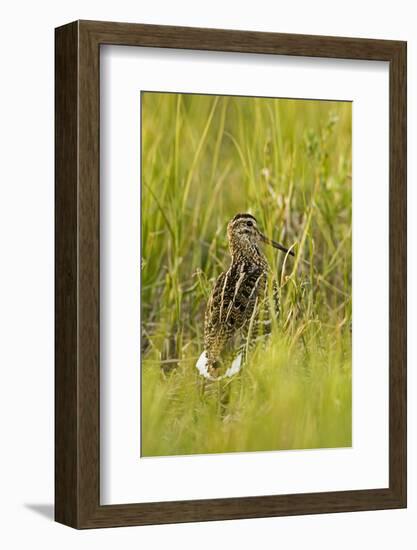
(239, 311)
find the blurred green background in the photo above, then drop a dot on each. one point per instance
(288, 162)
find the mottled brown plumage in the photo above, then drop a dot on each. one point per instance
(239, 310)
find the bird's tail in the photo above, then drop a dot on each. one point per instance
(203, 367)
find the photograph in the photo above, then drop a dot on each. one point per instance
(246, 274)
(208, 268)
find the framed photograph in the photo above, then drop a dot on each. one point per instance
(230, 274)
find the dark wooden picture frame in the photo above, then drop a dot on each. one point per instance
(77, 372)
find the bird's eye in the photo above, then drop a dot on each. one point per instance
(249, 224)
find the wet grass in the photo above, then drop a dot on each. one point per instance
(288, 162)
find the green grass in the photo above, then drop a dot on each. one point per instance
(288, 162)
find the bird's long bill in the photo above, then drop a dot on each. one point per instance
(277, 245)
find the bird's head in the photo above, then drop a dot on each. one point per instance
(244, 235)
